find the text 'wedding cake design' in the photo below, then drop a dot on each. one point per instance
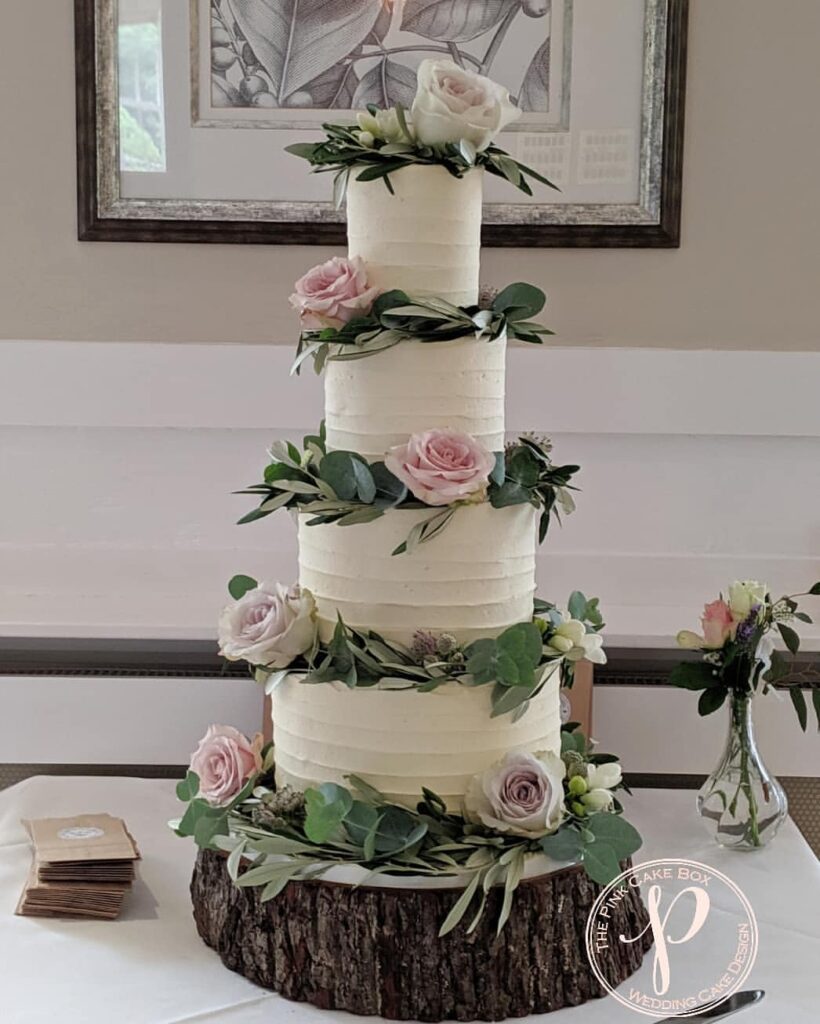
(419, 771)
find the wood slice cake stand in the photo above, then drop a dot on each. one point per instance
(376, 950)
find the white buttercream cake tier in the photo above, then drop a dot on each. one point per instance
(375, 403)
(402, 740)
(425, 238)
(473, 579)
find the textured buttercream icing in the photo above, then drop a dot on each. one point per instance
(401, 740)
(425, 239)
(372, 404)
(473, 579)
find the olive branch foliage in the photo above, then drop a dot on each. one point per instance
(516, 663)
(395, 317)
(344, 488)
(272, 838)
(342, 153)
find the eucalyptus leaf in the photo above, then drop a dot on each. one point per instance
(564, 845)
(616, 832)
(240, 585)
(601, 863)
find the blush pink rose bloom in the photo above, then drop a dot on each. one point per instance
(224, 761)
(523, 794)
(333, 293)
(442, 466)
(719, 625)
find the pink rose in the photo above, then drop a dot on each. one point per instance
(333, 293)
(718, 623)
(224, 761)
(442, 466)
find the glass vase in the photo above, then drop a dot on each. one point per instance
(742, 804)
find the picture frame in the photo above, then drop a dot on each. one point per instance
(592, 142)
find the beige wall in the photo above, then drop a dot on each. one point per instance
(747, 274)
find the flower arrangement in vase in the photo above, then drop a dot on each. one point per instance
(741, 802)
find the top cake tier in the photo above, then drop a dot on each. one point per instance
(424, 239)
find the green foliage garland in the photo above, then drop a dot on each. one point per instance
(342, 152)
(274, 837)
(396, 317)
(343, 488)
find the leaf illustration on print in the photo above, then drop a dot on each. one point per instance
(535, 90)
(454, 21)
(296, 41)
(384, 20)
(387, 84)
(333, 89)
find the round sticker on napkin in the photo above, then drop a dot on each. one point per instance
(81, 832)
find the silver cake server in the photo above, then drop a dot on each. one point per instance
(717, 1011)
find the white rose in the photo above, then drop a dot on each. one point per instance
(452, 104)
(269, 625)
(571, 639)
(384, 124)
(523, 794)
(744, 595)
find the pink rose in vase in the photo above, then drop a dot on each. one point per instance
(718, 624)
(224, 761)
(333, 293)
(440, 467)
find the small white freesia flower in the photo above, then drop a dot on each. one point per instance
(597, 800)
(384, 125)
(604, 776)
(572, 640)
(522, 794)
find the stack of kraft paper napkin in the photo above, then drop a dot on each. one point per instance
(82, 867)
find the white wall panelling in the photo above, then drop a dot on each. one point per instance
(117, 719)
(117, 464)
(658, 729)
(118, 461)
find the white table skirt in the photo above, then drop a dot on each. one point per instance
(150, 967)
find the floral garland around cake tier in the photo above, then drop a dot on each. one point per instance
(563, 806)
(342, 320)
(441, 470)
(274, 630)
(455, 117)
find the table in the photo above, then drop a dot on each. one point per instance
(150, 967)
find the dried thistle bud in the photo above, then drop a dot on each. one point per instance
(447, 644)
(575, 763)
(284, 801)
(486, 296)
(424, 645)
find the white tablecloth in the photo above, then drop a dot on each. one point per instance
(150, 967)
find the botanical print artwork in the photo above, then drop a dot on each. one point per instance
(297, 56)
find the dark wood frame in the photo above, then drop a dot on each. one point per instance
(95, 228)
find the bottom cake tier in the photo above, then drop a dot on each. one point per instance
(400, 740)
(372, 949)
